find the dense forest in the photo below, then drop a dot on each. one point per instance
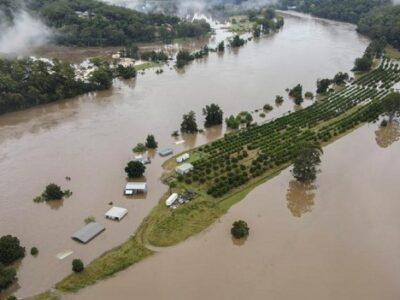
(375, 18)
(26, 82)
(94, 23)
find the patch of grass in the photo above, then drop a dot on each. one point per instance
(46, 296)
(147, 65)
(392, 52)
(109, 263)
(167, 227)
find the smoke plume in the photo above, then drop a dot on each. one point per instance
(23, 34)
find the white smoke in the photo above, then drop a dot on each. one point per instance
(24, 34)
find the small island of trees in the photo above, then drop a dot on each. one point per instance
(240, 229)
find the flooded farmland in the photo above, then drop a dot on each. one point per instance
(89, 139)
(337, 240)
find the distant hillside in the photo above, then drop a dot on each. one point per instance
(94, 23)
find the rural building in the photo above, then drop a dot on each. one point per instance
(184, 169)
(165, 152)
(171, 199)
(89, 232)
(182, 158)
(116, 213)
(135, 188)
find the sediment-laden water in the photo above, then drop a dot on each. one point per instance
(89, 139)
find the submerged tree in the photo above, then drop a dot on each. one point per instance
(151, 142)
(240, 229)
(77, 266)
(300, 197)
(297, 94)
(189, 124)
(214, 115)
(10, 250)
(135, 169)
(306, 162)
(221, 47)
(7, 276)
(391, 106)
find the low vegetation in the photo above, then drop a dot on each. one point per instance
(53, 192)
(77, 266)
(10, 252)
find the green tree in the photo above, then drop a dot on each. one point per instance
(7, 276)
(221, 47)
(126, 72)
(240, 229)
(34, 251)
(214, 115)
(135, 169)
(297, 94)
(279, 100)
(53, 192)
(10, 249)
(237, 42)
(77, 266)
(391, 105)
(151, 142)
(102, 78)
(323, 85)
(306, 162)
(189, 124)
(363, 64)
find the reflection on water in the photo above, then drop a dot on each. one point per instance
(300, 197)
(386, 136)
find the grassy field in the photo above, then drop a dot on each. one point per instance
(240, 24)
(392, 52)
(109, 263)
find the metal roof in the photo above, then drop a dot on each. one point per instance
(116, 213)
(88, 232)
(165, 151)
(142, 186)
(184, 168)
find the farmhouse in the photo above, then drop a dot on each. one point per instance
(89, 232)
(135, 188)
(184, 169)
(116, 213)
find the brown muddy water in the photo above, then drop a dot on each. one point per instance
(89, 138)
(336, 240)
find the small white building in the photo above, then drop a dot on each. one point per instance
(171, 199)
(182, 158)
(184, 169)
(135, 188)
(116, 213)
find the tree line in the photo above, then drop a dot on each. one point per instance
(94, 23)
(377, 19)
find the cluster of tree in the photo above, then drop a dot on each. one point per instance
(95, 23)
(341, 10)
(154, 56)
(26, 82)
(243, 117)
(126, 72)
(374, 18)
(306, 162)
(184, 56)
(237, 42)
(265, 21)
(374, 50)
(135, 169)
(297, 94)
(213, 114)
(10, 251)
(150, 143)
(324, 84)
(52, 192)
(189, 124)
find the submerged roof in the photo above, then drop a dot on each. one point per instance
(166, 151)
(136, 186)
(88, 232)
(116, 213)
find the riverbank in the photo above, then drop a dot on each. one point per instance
(166, 227)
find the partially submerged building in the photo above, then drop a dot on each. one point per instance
(132, 188)
(116, 213)
(165, 152)
(89, 232)
(184, 169)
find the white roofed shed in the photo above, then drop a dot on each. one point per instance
(135, 187)
(184, 169)
(116, 213)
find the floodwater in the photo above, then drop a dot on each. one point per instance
(90, 138)
(338, 239)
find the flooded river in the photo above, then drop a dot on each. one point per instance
(90, 138)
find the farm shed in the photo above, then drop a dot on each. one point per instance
(184, 169)
(165, 152)
(182, 158)
(116, 213)
(135, 187)
(89, 232)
